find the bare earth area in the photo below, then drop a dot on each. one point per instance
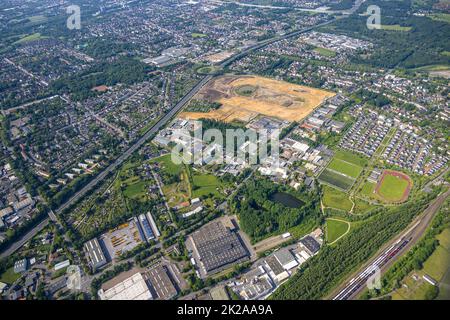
(245, 97)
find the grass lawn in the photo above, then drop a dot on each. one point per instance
(345, 167)
(445, 17)
(368, 189)
(444, 239)
(325, 52)
(394, 27)
(437, 264)
(433, 67)
(336, 199)
(198, 35)
(207, 70)
(392, 188)
(168, 165)
(204, 185)
(31, 37)
(362, 206)
(414, 289)
(336, 229)
(9, 276)
(136, 191)
(350, 157)
(37, 19)
(444, 288)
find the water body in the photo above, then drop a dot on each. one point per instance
(287, 200)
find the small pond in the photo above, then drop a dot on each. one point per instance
(287, 200)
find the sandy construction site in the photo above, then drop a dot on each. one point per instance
(245, 97)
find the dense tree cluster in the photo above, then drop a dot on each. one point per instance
(260, 216)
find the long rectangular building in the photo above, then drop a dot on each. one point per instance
(95, 254)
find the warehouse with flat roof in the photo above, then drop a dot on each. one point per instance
(215, 247)
(133, 287)
(95, 254)
(161, 282)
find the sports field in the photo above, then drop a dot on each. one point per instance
(345, 167)
(335, 179)
(242, 98)
(393, 186)
(343, 170)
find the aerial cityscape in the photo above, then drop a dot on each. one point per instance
(224, 150)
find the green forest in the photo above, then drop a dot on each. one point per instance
(261, 217)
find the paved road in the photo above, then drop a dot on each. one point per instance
(30, 234)
(392, 251)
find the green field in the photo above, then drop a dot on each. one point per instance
(444, 288)
(444, 239)
(207, 70)
(345, 167)
(136, 190)
(414, 289)
(392, 188)
(204, 185)
(325, 52)
(394, 27)
(437, 264)
(362, 206)
(336, 199)
(9, 276)
(198, 35)
(335, 229)
(337, 180)
(368, 189)
(350, 157)
(433, 67)
(167, 164)
(37, 19)
(445, 17)
(31, 37)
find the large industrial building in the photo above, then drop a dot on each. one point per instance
(95, 254)
(129, 286)
(215, 247)
(161, 282)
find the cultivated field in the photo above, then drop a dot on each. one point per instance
(245, 97)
